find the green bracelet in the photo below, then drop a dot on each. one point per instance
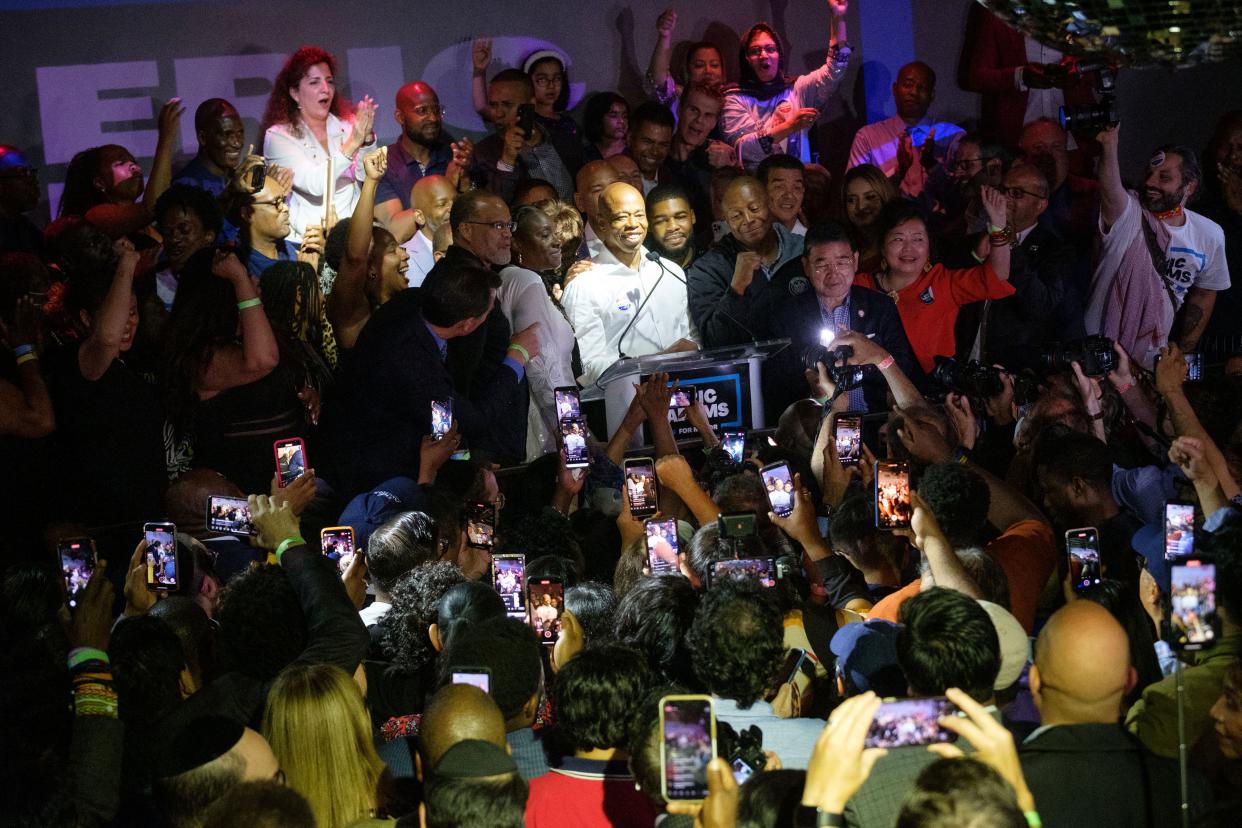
(286, 543)
(1032, 819)
(513, 346)
(249, 303)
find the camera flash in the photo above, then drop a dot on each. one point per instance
(826, 335)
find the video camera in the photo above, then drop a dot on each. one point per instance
(1094, 355)
(1091, 118)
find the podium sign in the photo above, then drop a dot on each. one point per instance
(725, 395)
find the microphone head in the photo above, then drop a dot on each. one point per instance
(653, 256)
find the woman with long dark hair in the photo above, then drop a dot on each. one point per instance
(605, 122)
(306, 125)
(768, 112)
(864, 192)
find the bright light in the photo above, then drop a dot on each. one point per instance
(826, 335)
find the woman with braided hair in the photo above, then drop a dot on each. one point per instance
(296, 309)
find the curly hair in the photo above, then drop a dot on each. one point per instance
(280, 107)
(959, 498)
(262, 628)
(415, 605)
(736, 641)
(653, 618)
(596, 693)
(194, 200)
(295, 306)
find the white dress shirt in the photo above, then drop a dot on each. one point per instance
(605, 298)
(309, 162)
(422, 258)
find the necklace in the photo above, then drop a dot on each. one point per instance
(1176, 212)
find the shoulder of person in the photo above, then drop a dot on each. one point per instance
(1205, 226)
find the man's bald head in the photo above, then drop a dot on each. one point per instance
(409, 94)
(186, 499)
(623, 214)
(456, 713)
(627, 170)
(1082, 666)
(433, 196)
(418, 112)
(745, 206)
(589, 183)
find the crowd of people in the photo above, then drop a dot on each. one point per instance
(382, 344)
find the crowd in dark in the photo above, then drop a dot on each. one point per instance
(306, 523)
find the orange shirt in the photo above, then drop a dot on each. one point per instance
(928, 306)
(1028, 555)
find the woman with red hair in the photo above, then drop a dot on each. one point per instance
(306, 124)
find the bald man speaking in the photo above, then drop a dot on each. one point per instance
(1081, 765)
(626, 303)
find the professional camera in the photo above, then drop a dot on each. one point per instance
(1094, 356)
(972, 379)
(1091, 118)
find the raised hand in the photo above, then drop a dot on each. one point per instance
(994, 205)
(928, 155)
(905, 151)
(225, 265)
(170, 118)
(720, 154)
(838, 8)
(748, 261)
(481, 54)
(667, 22)
(375, 164)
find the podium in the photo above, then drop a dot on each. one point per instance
(729, 380)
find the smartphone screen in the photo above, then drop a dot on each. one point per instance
(910, 722)
(509, 580)
(683, 397)
(1192, 599)
(574, 439)
(480, 525)
(161, 555)
(441, 417)
(77, 563)
(741, 771)
(290, 460)
(662, 547)
(568, 403)
(779, 483)
(337, 543)
(1179, 530)
(547, 602)
(688, 743)
(1194, 366)
(847, 431)
(762, 570)
(640, 486)
(230, 515)
(474, 676)
(892, 495)
(1082, 546)
(734, 444)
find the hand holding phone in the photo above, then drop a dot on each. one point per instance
(687, 745)
(230, 516)
(663, 549)
(78, 560)
(161, 556)
(906, 722)
(509, 581)
(1082, 547)
(1193, 622)
(893, 507)
(480, 525)
(847, 432)
(734, 444)
(1179, 530)
(441, 418)
(337, 545)
(779, 483)
(290, 460)
(641, 487)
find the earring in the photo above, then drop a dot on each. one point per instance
(927, 266)
(518, 253)
(372, 276)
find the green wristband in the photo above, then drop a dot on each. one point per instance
(249, 303)
(286, 543)
(513, 346)
(1032, 819)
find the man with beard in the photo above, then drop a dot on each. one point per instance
(423, 149)
(1160, 264)
(672, 224)
(784, 177)
(220, 134)
(1074, 200)
(729, 283)
(626, 304)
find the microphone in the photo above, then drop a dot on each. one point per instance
(658, 259)
(646, 299)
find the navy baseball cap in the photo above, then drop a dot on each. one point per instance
(867, 654)
(371, 510)
(1149, 542)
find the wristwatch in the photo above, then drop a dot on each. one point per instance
(807, 817)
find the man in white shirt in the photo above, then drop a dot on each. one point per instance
(626, 304)
(432, 199)
(898, 145)
(1160, 264)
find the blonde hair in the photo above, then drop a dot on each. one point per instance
(317, 724)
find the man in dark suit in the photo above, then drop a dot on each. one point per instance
(816, 292)
(381, 406)
(1081, 765)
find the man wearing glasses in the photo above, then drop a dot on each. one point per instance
(423, 149)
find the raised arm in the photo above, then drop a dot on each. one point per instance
(108, 327)
(165, 146)
(1113, 195)
(347, 303)
(999, 255)
(870, 352)
(25, 409)
(480, 59)
(658, 79)
(946, 567)
(231, 366)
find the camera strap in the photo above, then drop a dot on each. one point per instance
(1158, 260)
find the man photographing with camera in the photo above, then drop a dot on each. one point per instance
(1160, 264)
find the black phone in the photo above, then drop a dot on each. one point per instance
(337, 545)
(847, 432)
(641, 487)
(795, 664)
(509, 580)
(663, 550)
(1082, 548)
(526, 120)
(479, 677)
(441, 418)
(78, 560)
(760, 570)
(683, 396)
(480, 525)
(906, 722)
(687, 745)
(258, 177)
(893, 508)
(734, 444)
(161, 555)
(1179, 530)
(547, 603)
(230, 516)
(1192, 621)
(290, 460)
(778, 480)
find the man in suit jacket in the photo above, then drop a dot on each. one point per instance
(1081, 765)
(816, 292)
(381, 406)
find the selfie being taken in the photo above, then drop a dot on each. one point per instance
(621, 415)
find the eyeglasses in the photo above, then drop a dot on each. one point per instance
(278, 203)
(547, 80)
(429, 109)
(498, 226)
(962, 162)
(760, 51)
(1017, 193)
